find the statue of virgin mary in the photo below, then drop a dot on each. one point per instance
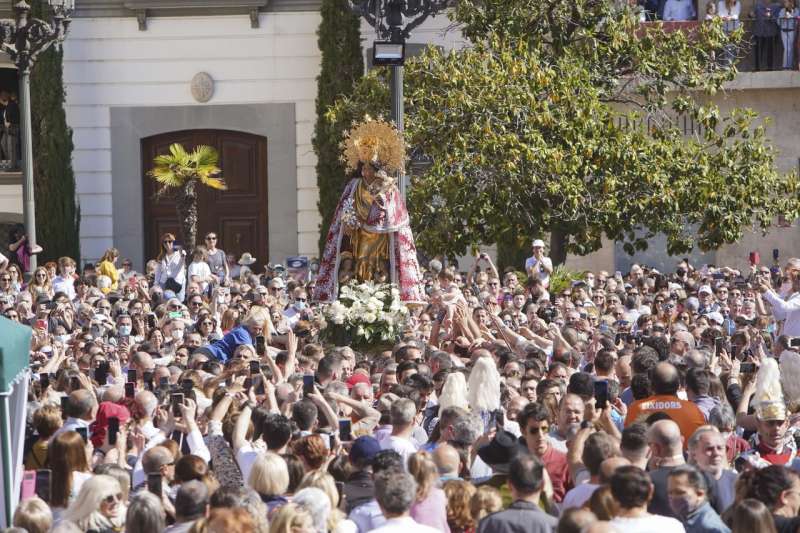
(370, 237)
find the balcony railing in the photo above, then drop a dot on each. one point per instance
(768, 44)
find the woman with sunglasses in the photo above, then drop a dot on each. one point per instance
(216, 259)
(170, 273)
(99, 507)
(39, 285)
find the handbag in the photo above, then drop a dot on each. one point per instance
(172, 285)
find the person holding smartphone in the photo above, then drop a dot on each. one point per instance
(538, 266)
(786, 306)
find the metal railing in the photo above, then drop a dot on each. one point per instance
(769, 44)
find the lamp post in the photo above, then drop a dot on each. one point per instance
(23, 40)
(394, 20)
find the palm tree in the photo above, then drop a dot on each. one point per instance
(182, 171)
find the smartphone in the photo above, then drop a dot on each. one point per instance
(74, 383)
(255, 368)
(44, 379)
(44, 484)
(28, 485)
(754, 258)
(775, 254)
(601, 394)
(132, 375)
(747, 368)
(64, 404)
(84, 433)
(151, 321)
(130, 390)
(154, 484)
(261, 345)
(177, 401)
(101, 373)
(41, 324)
(113, 429)
(345, 430)
(260, 388)
(499, 418)
(147, 380)
(718, 341)
(795, 342)
(163, 382)
(308, 384)
(248, 383)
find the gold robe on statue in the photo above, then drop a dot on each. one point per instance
(370, 250)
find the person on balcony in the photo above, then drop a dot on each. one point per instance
(787, 20)
(765, 31)
(678, 10)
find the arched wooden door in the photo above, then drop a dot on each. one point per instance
(238, 215)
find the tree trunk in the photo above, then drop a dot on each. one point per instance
(186, 204)
(558, 246)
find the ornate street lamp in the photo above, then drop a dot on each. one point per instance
(23, 40)
(394, 20)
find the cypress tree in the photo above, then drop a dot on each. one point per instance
(57, 211)
(339, 40)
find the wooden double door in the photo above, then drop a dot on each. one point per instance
(238, 215)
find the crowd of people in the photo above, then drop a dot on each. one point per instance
(187, 398)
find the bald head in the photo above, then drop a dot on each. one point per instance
(447, 460)
(609, 466)
(665, 438)
(113, 394)
(142, 362)
(666, 379)
(147, 403)
(81, 404)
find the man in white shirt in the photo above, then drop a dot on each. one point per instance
(679, 10)
(538, 266)
(402, 414)
(395, 492)
(80, 410)
(632, 489)
(786, 306)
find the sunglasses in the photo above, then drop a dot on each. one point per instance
(111, 498)
(5, 279)
(211, 238)
(301, 299)
(195, 304)
(168, 242)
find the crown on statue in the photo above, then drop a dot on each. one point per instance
(376, 142)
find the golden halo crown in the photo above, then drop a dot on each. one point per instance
(374, 141)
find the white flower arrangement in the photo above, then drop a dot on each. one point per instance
(365, 313)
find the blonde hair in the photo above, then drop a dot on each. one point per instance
(85, 510)
(459, 496)
(259, 316)
(291, 518)
(269, 475)
(485, 501)
(322, 480)
(33, 515)
(422, 467)
(109, 255)
(484, 386)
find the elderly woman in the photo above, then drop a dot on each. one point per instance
(99, 507)
(257, 323)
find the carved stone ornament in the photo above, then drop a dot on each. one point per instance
(202, 87)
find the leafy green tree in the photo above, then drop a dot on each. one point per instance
(339, 40)
(57, 211)
(560, 120)
(180, 172)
